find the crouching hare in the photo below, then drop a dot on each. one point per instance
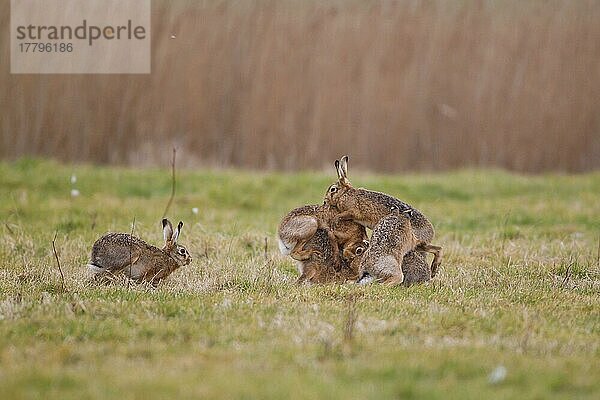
(116, 253)
(393, 238)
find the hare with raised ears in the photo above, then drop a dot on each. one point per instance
(301, 224)
(116, 253)
(368, 207)
(319, 266)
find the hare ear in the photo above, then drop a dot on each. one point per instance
(338, 169)
(167, 230)
(177, 232)
(344, 163)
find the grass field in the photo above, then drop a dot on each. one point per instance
(519, 290)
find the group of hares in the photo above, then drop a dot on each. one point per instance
(328, 241)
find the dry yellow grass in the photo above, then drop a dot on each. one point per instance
(293, 84)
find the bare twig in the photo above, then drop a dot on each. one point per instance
(350, 319)
(567, 274)
(93, 224)
(13, 233)
(130, 250)
(172, 184)
(266, 248)
(62, 276)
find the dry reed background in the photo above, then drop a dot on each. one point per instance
(292, 84)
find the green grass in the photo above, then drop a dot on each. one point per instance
(519, 288)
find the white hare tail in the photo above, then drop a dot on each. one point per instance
(95, 269)
(284, 248)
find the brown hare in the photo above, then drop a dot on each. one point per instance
(392, 239)
(301, 224)
(116, 253)
(319, 266)
(368, 207)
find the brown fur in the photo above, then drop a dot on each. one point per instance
(319, 267)
(368, 207)
(392, 239)
(415, 268)
(116, 253)
(301, 224)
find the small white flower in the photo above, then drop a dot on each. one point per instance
(73, 179)
(173, 36)
(74, 193)
(195, 210)
(497, 375)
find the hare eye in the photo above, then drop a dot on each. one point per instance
(359, 251)
(333, 189)
(182, 251)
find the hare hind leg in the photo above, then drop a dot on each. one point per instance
(299, 230)
(300, 253)
(437, 261)
(388, 270)
(307, 275)
(337, 264)
(437, 255)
